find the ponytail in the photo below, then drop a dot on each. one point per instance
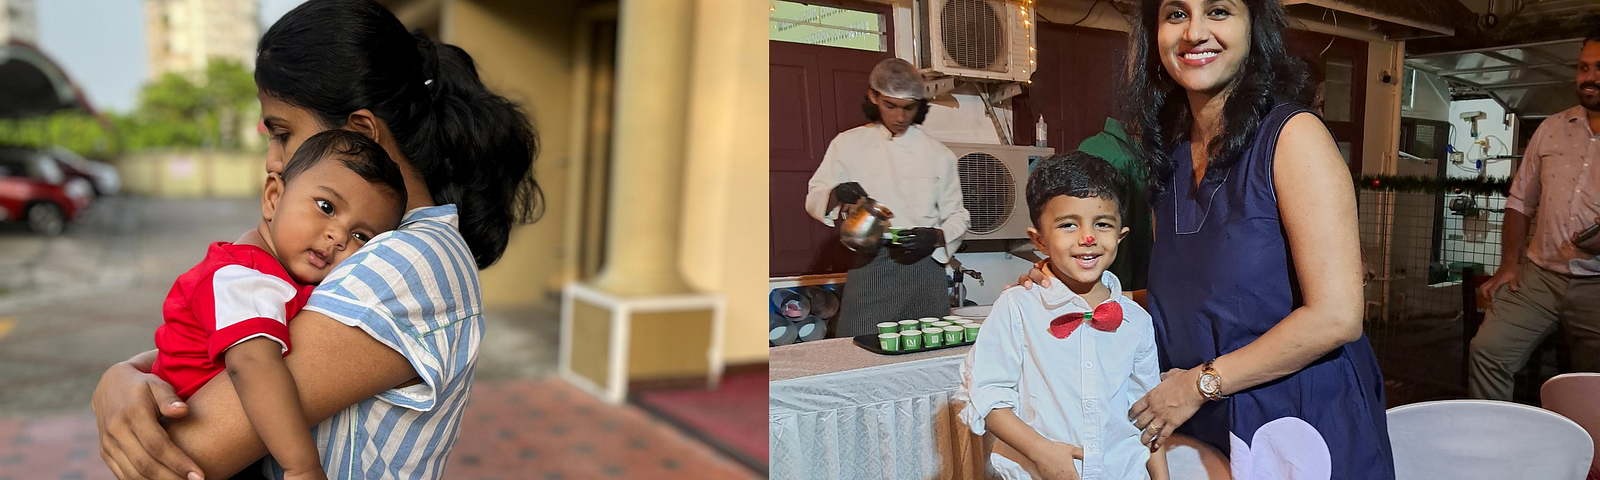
(474, 149)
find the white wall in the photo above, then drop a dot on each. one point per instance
(1477, 239)
(998, 268)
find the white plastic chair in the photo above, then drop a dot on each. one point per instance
(1486, 439)
(1577, 397)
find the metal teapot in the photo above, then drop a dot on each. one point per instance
(864, 229)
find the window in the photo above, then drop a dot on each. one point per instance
(1338, 90)
(1408, 87)
(827, 26)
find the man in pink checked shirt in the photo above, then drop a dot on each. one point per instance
(1558, 184)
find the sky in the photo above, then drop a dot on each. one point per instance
(100, 44)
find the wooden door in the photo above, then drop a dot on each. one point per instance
(1075, 87)
(815, 93)
(1339, 64)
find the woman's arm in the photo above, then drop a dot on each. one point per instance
(334, 366)
(1316, 201)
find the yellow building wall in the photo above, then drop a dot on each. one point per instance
(725, 196)
(524, 52)
(193, 174)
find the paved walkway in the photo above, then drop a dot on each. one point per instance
(541, 428)
(70, 306)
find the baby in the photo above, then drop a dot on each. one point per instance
(231, 312)
(1056, 368)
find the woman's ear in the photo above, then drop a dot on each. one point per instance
(364, 122)
(270, 196)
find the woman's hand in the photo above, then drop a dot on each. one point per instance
(1037, 275)
(1167, 406)
(1055, 461)
(128, 404)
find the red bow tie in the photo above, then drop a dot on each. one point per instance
(1106, 318)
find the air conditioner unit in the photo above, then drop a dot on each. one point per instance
(976, 39)
(994, 186)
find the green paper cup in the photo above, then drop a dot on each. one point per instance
(954, 335)
(908, 325)
(971, 331)
(960, 321)
(941, 324)
(910, 341)
(926, 322)
(889, 342)
(931, 337)
(888, 327)
(953, 318)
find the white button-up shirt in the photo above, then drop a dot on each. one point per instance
(1555, 186)
(1075, 390)
(912, 174)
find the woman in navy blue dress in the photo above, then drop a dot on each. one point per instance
(1255, 276)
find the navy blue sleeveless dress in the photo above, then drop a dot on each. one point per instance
(1220, 276)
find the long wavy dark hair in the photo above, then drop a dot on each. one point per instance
(475, 149)
(1158, 107)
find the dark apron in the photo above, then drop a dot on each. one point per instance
(879, 289)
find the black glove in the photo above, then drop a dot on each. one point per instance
(848, 193)
(911, 246)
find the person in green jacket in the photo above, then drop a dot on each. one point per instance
(1133, 262)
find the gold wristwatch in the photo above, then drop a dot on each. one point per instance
(1210, 382)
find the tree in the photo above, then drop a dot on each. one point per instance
(207, 109)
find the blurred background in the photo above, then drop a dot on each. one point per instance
(129, 140)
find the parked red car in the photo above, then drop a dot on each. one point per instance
(33, 189)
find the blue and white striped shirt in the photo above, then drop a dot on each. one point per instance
(416, 290)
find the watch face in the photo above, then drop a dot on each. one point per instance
(1208, 383)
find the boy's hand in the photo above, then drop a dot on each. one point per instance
(1055, 461)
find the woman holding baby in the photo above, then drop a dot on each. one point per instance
(384, 350)
(1255, 278)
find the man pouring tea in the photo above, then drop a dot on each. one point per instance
(893, 162)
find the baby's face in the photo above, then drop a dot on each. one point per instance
(1080, 235)
(323, 215)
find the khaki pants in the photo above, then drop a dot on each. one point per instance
(1518, 321)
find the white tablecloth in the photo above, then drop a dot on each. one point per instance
(877, 417)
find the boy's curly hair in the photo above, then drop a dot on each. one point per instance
(1075, 174)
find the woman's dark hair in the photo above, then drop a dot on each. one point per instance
(474, 149)
(356, 152)
(873, 115)
(1158, 106)
(1076, 174)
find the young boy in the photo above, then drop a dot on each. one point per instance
(1055, 369)
(231, 312)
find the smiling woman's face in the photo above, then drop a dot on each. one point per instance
(1203, 42)
(287, 127)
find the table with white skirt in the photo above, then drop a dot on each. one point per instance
(836, 411)
(839, 412)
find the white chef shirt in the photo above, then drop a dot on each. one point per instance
(912, 174)
(1075, 390)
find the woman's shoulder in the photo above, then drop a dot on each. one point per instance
(427, 261)
(420, 241)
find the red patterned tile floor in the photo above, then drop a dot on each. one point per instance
(542, 428)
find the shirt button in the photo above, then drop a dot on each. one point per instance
(1088, 365)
